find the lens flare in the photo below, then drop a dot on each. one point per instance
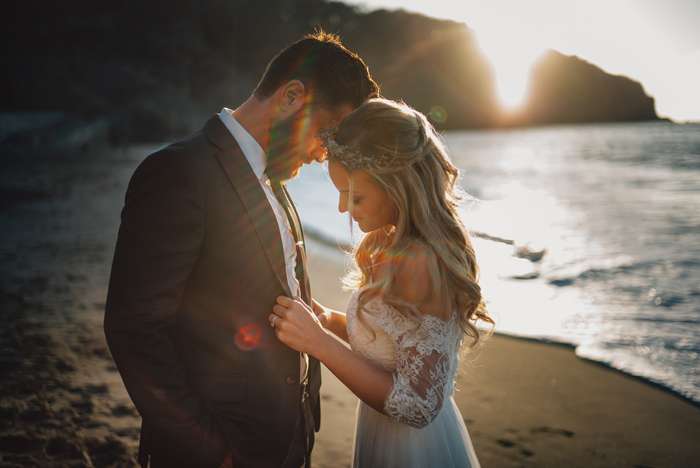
(438, 114)
(248, 337)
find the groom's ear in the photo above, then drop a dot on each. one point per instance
(292, 97)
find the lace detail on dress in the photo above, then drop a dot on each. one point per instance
(422, 358)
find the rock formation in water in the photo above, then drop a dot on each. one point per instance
(567, 89)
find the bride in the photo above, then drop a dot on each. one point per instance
(416, 298)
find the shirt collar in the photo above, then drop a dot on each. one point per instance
(252, 151)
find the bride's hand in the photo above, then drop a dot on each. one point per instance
(323, 315)
(297, 326)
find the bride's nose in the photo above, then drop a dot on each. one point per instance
(342, 205)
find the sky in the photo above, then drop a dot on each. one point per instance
(655, 42)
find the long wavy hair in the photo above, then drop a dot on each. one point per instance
(411, 165)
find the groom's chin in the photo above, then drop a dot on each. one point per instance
(292, 174)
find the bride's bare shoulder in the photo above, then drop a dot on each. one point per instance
(416, 273)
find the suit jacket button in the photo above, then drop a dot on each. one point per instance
(291, 380)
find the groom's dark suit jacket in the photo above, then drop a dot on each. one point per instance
(197, 269)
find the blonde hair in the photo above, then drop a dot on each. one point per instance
(413, 168)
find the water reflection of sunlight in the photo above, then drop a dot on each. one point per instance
(517, 290)
(526, 216)
(532, 308)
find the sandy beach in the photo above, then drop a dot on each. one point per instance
(62, 403)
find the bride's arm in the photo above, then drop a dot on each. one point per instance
(403, 395)
(331, 320)
(301, 330)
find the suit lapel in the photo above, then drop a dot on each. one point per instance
(251, 194)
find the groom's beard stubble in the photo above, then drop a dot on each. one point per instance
(284, 156)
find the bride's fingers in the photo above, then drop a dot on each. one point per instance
(285, 301)
(274, 320)
(280, 310)
(301, 302)
(289, 302)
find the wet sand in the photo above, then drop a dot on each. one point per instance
(62, 403)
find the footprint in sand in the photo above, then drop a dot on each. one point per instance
(509, 443)
(553, 430)
(506, 443)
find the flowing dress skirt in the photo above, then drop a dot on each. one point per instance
(381, 443)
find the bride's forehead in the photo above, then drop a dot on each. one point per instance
(341, 177)
(337, 172)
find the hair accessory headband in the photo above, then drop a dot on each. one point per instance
(353, 159)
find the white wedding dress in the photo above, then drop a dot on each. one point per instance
(424, 427)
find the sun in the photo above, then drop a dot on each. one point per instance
(512, 62)
(511, 83)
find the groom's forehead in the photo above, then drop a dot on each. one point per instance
(328, 116)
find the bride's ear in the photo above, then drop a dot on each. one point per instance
(292, 97)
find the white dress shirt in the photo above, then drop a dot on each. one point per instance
(258, 162)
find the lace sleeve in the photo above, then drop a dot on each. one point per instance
(426, 364)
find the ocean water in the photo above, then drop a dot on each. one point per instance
(585, 234)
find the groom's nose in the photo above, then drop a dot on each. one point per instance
(318, 155)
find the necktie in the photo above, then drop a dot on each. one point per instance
(300, 268)
(300, 247)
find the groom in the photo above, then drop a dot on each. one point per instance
(208, 240)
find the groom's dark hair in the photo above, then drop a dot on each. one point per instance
(331, 73)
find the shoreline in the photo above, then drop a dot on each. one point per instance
(603, 365)
(531, 403)
(316, 240)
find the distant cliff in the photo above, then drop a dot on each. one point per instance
(155, 71)
(566, 89)
(435, 66)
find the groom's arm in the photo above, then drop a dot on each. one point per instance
(159, 241)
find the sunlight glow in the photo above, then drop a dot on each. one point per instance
(511, 67)
(655, 43)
